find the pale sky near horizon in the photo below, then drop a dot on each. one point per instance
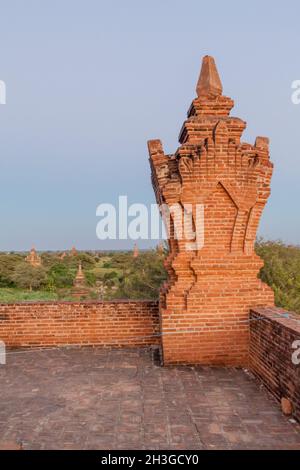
(89, 82)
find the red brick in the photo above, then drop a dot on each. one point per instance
(118, 324)
(206, 301)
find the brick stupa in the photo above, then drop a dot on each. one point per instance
(204, 306)
(73, 251)
(79, 286)
(135, 251)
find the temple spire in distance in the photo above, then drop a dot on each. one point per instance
(209, 82)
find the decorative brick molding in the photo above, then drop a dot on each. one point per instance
(272, 334)
(204, 306)
(118, 323)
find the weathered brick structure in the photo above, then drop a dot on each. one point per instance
(33, 258)
(80, 289)
(91, 323)
(204, 306)
(275, 353)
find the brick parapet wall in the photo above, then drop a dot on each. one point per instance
(273, 332)
(113, 323)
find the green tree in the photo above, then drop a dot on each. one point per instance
(142, 276)
(60, 276)
(90, 278)
(26, 276)
(281, 271)
(8, 263)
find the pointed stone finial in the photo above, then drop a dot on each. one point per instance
(209, 82)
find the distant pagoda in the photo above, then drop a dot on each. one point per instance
(160, 248)
(79, 285)
(33, 258)
(135, 251)
(73, 251)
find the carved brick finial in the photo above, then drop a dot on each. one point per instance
(212, 282)
(209, 82)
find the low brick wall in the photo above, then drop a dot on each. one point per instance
(117, 323)
(273, 333)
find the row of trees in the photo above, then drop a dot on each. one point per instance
(120, 275)
(109, 275)
(281, 272)
(136, 278)
(55, 273)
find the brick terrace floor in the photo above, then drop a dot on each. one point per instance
(122, 399)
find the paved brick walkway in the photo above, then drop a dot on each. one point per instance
(121, 399)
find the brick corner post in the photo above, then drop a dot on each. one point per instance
(212, 269)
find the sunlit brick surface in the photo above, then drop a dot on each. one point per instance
(122, 399)
(205, 303)
(273, 332)
(106, 323)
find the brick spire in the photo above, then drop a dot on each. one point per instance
(212, 283)
(209, 82)
(79, 285)
(135, 251)
(79, 279)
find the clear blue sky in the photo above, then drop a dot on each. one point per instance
(90, 81)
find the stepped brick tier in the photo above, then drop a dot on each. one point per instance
(205, 304)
